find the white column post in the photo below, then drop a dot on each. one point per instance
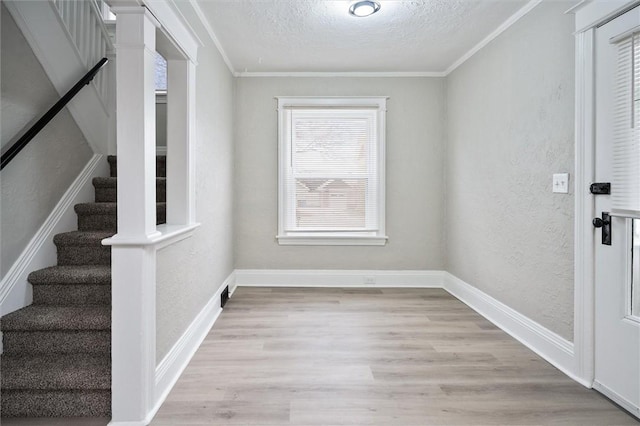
(133, 260)
(181, 78)
(135, 73)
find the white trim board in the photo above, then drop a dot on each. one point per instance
(15, 291)
(337, 278)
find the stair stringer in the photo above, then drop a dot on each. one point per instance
(52, 44)
(15, 291)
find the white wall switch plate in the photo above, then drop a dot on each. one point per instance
(561, 183)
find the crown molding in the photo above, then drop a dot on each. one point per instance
(339, 74)
(212, 35)
(488, 39)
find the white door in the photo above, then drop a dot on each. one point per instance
(617, 288)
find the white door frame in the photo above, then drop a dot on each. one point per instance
(589, 15)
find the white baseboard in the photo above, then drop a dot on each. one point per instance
(173, 364)
(233, 284)
(337, 278)
(15, 291)
(553, 348)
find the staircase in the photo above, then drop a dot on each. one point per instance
(57, 351)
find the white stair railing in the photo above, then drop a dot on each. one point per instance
(84, 22)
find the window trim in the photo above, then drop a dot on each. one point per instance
(339, 238)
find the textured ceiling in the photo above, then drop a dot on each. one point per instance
(320, 36)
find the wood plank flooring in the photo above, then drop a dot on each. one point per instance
(367, 357)
(370, 357)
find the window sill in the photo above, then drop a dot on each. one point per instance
(333, 240)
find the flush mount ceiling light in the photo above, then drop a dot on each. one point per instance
(364, 8)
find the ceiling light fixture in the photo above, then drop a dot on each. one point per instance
(364, 8)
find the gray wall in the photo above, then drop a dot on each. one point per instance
(510, 127)
(414, 204)
(33, 183)
(191, 271)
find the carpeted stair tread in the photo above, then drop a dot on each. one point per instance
(81, 238)
(25, 343)
(84, 247)
(45, 317)
(53, 403)
(74, 274)
(56, 372)
(110, 209)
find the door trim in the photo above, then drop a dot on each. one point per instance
(584, 283)
(595, 13)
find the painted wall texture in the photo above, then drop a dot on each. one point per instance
(191, 271)
(33, 183)
(414, 203)
(510, 127)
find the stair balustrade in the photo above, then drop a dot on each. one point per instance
(84, 21)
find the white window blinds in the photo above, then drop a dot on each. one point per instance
(331, 170)
(625, 188)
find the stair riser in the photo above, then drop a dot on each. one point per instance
(82, 378)
(109, 223)
(95, 222)
(106, 195)
(63, 342)
(86, 403)
(110, 195)
(161, 167)
(72, 294)
(84, 255)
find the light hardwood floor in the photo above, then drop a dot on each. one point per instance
(364, 357)
(370, 356)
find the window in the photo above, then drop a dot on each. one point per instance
(625, 185)
(161, 74)
(331, 171)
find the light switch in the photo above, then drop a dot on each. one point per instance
(561, 183)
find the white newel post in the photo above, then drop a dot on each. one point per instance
(133, 259)
(181, 76)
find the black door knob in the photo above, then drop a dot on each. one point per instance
(599, 223)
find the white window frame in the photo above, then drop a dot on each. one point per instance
(375, 237)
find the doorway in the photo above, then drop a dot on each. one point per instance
(617, 210)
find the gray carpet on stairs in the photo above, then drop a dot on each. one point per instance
(57, 351)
